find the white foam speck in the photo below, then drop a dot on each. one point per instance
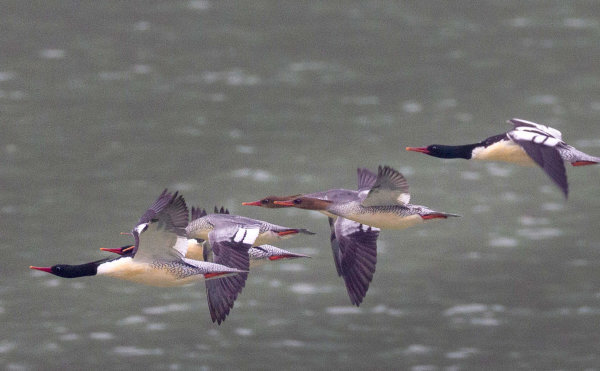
(543, 99)
(135, 351)
(141, 69)
(307, 66)
(244, 331)
(343, 310)
(101, 336)
(7, 346)
(307, 288)
(412, 107)
(275, 283)
(175, 307)
(465, 309)
(52, 53)
(235, 133)
(520, 22)
(245, 149)
(141, 26)
(132, 320)
(530, 220)
(425, 368)
(503, 242)
(17, 95)
(447, 103)
(69, 337)
(462, 353)
(463, 117)
(361, 101)
(292, 267)
(292, 343)
(383, 309)
(480, 209)
(156, 326)
(470, 175)
(417, 349)
(539, 233)
(499, 171)
(199, 4)
(552, 206)
(7, 75)
(52, 282)
(485, 321)
(113, 75)
(255, 174)
(580, 23)
(11, 148)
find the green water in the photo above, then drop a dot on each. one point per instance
(104, 104)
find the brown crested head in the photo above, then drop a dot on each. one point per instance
(269, 201)
(308, 203)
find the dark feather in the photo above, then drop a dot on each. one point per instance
(223, 292)
(357, 256)
(549, 159)
(198, 213)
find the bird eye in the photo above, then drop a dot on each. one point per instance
(264, 201)
(297, 201)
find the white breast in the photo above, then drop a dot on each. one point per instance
(505, 151)
(385, 220)
(129, 270)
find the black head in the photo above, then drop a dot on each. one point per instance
(443, 151)
(70, 271)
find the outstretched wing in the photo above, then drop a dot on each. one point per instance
(355, 255)
(390, 188)
(366, 179)
(549, 159)
(540, 143)
(524, 125)
(229, 245)
(197, 212)
(164, 235)
(162, 201)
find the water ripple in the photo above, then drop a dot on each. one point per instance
(136, 352)
(343, 310)
(175, 307)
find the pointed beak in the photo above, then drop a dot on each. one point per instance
(255, 203)
(43, 269)
(285, 233)
(288, 256)
(418, 149)
(284, 203)
(439, 216)
(121, 250)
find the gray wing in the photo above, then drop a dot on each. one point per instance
(366, 179)
(335, 246)
(164, 236)
(197, 212)
(356, 256)
(229, 246)
(390, 188)
(549, 159)
(162, 201)
(520, 124)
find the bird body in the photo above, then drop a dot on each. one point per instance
(527, 144)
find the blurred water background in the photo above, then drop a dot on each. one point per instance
(104, 104)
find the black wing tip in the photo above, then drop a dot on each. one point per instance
(306, 231)
(222, 210)
(198, 212)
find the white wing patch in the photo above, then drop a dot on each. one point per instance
(534, 136)
(245, 235)
(536, 128)
(140, 227)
